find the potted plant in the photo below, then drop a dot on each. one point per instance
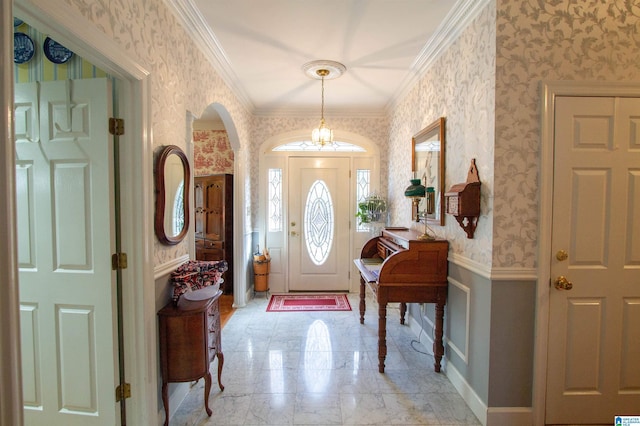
(372, 209)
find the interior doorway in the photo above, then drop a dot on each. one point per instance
(218, 133)
(587, 292)
(55, 19)
(213, 171)
(66, 235)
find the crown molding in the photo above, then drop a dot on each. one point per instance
(197, 28)
(460, 16)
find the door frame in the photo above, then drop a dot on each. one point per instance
(56, 18)
(549, 91)
(269, 158)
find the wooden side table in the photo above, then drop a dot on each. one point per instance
(189, 341)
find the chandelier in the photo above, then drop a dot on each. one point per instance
(321, 70)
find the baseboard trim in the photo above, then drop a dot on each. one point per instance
(509, 416)
(467, 393)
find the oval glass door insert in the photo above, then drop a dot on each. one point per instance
(318, 222)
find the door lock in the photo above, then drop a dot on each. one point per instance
(294, 234)
(561, 283)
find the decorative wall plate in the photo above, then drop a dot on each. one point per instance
(17, 22)
(55, 52)
(23, 48)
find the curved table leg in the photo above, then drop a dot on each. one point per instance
(165, 402)
(207, 389)
(220, 356)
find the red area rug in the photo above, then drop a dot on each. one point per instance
(308, 302)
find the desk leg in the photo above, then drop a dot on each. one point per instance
(403, 311)
(220, 356)
(382, 335)
(438, 347)
(363, 304)
(165, 402)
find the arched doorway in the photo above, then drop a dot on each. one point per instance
(214, 148)
(307, 209)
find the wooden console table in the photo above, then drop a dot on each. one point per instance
(189, 341)
(398, 267)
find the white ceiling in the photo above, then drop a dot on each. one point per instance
(259, 47)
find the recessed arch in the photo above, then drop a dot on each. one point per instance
(218, 112)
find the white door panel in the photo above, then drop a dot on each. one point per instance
(65, 233)
(594, 333)
(319, 224)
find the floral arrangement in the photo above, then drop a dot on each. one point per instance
(372, 209)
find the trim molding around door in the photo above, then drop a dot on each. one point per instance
(549, 91)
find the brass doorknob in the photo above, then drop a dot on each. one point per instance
(294, 234)
(561, 283)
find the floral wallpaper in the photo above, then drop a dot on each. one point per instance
(486, 85)
(148, 31)
(460, 87)
(546, 40)
(212, 153)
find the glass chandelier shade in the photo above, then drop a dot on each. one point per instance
(322, 135)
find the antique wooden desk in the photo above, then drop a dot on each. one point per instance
(398, 267)
(189, 341)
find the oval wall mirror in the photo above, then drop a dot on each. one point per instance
(172, 195)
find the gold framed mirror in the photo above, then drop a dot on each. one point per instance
(172, 195)
(427, 162)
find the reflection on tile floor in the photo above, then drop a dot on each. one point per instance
(321, 368)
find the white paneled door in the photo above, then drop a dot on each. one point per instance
(65, 229)
(594, 324)
(319, 256)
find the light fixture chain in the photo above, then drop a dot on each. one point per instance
(322, 105)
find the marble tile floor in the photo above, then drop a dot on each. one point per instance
(321, 368)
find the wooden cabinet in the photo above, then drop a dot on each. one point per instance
(214, 221)
(189, 341)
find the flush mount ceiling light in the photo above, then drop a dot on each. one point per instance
(323, 70)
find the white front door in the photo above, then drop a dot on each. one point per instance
(65, 240)
(319, 257)
(594, 324)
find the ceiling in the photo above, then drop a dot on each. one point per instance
(259, 48)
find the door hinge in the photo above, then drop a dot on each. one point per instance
(116, 126)
(119, 261)
(123, 391)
